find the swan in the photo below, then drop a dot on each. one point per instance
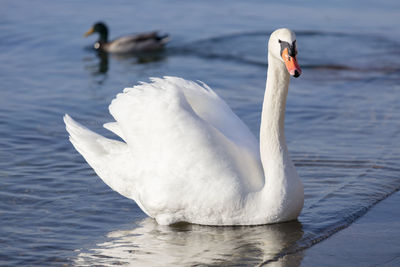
(184, 156)
(143, 42)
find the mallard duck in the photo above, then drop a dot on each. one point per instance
(142, 42)
(186, 157)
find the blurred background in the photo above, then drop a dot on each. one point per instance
(342, 122)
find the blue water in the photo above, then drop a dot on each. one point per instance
(342, 123)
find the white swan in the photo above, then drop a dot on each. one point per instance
(187, 157)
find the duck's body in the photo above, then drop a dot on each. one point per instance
(187, 157)
(143, 42)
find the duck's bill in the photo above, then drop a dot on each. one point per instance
(291, 64)
(89, 32)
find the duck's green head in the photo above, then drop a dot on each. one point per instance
(101, 29)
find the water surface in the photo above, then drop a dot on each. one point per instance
(342, 123)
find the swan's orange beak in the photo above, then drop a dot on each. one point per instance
(291, 63)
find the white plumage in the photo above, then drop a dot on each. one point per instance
(187, 157)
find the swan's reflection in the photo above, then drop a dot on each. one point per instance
(187, 245)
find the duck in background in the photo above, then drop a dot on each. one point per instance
(142, 42)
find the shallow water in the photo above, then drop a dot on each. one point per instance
(342, 123)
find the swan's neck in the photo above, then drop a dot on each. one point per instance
(282, 197)
(273, 148)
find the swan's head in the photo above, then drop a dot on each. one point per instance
(282, 45)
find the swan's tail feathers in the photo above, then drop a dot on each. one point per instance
(106, 156)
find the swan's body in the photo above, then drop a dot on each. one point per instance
(142, 42)
(187, 157)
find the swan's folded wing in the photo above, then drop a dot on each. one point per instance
(114, 127)
(111, 159)
(181, 128)
(214, 110)
(234, 133)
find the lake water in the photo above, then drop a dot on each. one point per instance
(342, 123)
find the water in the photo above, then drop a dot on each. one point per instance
(342, 123)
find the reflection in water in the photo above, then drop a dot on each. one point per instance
(103, 62)
(143, 57)
(98, 69)
(151, 244)
(101, 67)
